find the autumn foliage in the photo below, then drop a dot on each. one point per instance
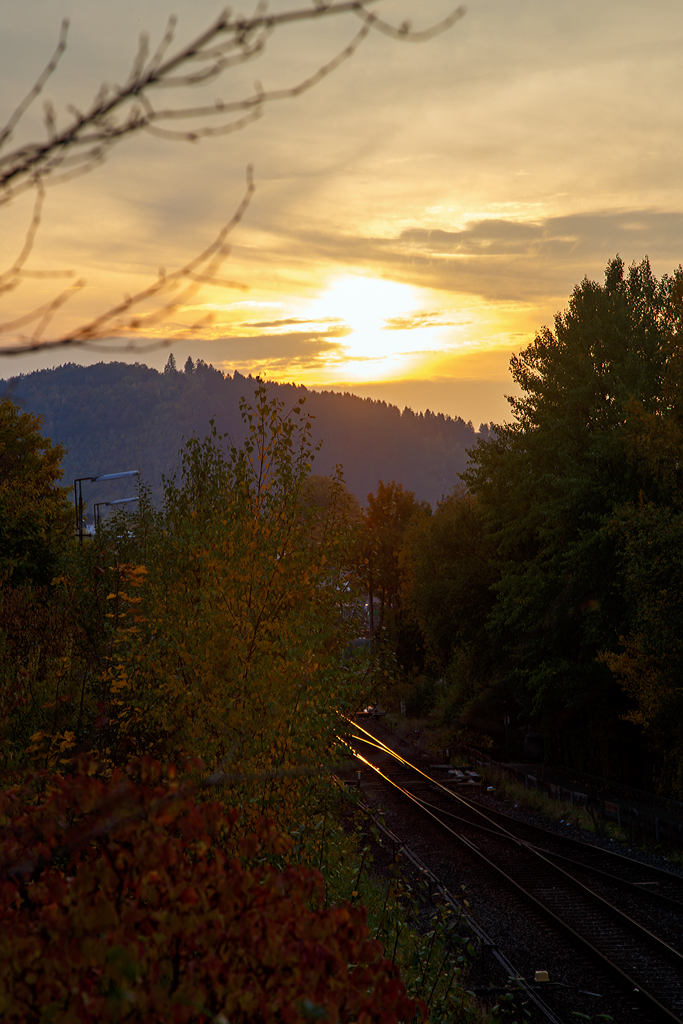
(211, 627)
(210, 633)
(130, 900)
(34, 514)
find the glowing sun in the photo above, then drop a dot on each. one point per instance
(369, 305)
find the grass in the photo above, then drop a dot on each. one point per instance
(538, 803)
(424, 939)
(532, 800)
(434, 740)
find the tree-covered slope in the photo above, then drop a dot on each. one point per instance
(116, 416)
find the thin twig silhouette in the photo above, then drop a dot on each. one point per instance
(120, 112)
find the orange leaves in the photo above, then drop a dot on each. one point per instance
(249, 846)
(47, 747)
(189, 896)
(236, 654)
(212, 628)
(145, 917)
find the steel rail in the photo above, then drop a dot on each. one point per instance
(473, 925)
(649, 868)
(541, 854)
(633, 886)
(623, 976)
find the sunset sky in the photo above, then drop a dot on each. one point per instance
(417, 216)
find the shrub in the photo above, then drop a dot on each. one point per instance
(421, 698)
(131, 901)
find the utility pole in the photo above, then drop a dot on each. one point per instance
(78, 493)
(371, 610)
(107, 504)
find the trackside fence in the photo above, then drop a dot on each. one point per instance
(664, 822)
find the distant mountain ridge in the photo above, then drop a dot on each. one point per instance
(119, 416)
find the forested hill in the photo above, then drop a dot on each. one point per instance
(116, 416)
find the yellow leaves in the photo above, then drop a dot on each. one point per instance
(68, 741)
(642, 678)
(47, 747)
(237, 613)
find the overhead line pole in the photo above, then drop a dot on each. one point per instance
(78, 493)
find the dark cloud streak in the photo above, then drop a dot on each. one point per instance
(502, 259)
(417, 320)
(297, 349)
(576, 234)
(293, 322)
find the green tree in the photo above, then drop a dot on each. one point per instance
(649, 535)
(35, 515)
(647, 659)
(170, 366)
(449, 573)
(208, 628)
(549, 483)
(332, 505)
(387, 516)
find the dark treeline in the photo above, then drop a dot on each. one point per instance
(171, 694)
(549, 588)
(544, 586)
(115, 416)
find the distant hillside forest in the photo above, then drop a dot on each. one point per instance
(115, 416)
(536, 608)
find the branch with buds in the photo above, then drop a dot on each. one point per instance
(120, 112)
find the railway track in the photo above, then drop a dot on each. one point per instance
(624, 916)
(509, 972)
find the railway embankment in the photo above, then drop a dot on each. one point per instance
(604, 928)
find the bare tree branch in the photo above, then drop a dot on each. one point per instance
(41, 311)
(200, 270)
(119, 112)
(405, 33)
(10, 278)
(6, 132)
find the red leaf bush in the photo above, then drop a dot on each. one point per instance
(131, 901)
